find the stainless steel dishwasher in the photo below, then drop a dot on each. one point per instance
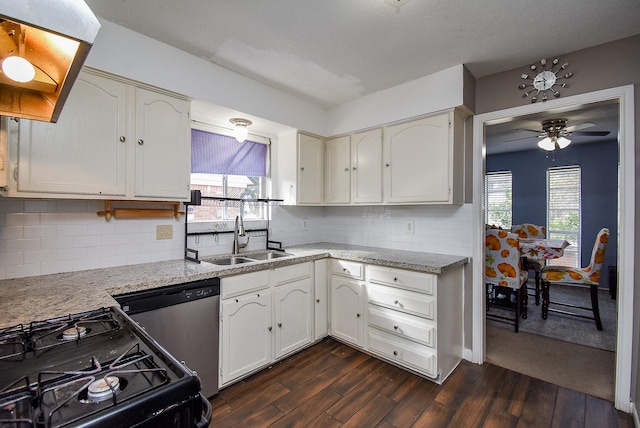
(183, 319)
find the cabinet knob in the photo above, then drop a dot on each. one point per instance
(395, 353)
(395, 279)
(347, 169)
(269, 328)
(280, 324)
(123, 138)
(354, 168)
(395, 327)
(140, 142)
(387, 164)
(358, 315)
(396, 302)
(301, 168)
(317, 300)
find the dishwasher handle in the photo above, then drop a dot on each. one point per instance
(145, 301)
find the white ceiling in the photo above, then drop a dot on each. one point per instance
(333, 51)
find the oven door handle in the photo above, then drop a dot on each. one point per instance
(207, 413)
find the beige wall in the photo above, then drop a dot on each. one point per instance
(601, 67)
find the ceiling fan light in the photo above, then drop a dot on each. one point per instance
(563, 142)
(547, 144)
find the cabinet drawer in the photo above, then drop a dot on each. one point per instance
(403, 325)
(292, 273)
(422, 282)
(241, 284)
(406, 301)
(346, 268)
(404, 352)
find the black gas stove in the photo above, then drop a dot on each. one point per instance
(94, 369)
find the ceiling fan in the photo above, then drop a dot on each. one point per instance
(555, 133)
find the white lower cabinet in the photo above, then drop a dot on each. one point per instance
(264, 316)
(293, 313)
(246, 334)
(347, 291)
(415, 319)
(321, 296)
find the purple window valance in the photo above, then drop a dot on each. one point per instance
(219, 154)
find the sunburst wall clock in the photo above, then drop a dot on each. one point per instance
(547, 76)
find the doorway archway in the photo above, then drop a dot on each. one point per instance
(626, 248)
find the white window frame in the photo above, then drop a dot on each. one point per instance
(567, 198)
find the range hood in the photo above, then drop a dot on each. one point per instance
(55, 38)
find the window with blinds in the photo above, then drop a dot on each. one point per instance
(563, 211)
(498, 199)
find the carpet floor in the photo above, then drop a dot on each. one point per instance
(564, 350)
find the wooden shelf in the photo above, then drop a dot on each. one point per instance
(158, 209)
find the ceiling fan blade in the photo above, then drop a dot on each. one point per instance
(592, 133)
(579, 126)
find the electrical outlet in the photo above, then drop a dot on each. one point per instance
(411, 226)
(304, 224)
(164, 231)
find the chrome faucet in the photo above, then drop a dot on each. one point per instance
(238, 231)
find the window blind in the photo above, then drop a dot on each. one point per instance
(564, 211)
(213, 153)
(498, 199)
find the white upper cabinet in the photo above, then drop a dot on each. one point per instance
(338, 170)
(310, 170)
(366, 169)
(423, 161)
(162, 159)
(114, 140)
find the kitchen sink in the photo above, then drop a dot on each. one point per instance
(233, 260)
(268, 255)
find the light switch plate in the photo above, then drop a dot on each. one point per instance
(164, 231)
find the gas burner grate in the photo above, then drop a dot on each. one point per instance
(48, 334)
(13, 342)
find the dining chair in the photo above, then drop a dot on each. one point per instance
(529, 230)
(589, 275)
(505, 281)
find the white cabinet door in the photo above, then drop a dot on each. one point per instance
(86, 151)
(293, 316)
(321, 299)
(310, 170)
(347, 310)
(162, 159)
(418, 161)
(246, 334)
(366, 173)
(338, 170)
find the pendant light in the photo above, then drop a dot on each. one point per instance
(240, 131)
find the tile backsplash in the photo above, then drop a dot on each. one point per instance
(39, 237)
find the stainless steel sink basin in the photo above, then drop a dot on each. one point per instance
(268, 255)
(233, 260)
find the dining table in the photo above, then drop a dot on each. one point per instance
(537, 251)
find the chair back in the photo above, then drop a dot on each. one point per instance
(502, 259)
(597, 256)
(528, 230)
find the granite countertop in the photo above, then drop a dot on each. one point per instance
(23, 300)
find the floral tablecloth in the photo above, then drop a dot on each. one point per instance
(543, 249)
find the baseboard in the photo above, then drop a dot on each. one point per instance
(467, 354)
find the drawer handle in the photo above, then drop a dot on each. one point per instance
(345, 270)
(317, 300)
(236, 300)
(395, 279)
(258, 294)
(396, 302)
(395, 353)
(395, 327)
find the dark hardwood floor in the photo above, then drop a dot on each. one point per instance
(333, 385)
